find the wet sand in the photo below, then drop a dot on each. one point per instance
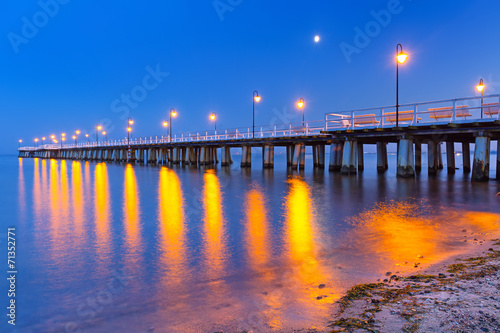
(460, 294)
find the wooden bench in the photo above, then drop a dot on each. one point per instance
(490, 109)
(362, 119)
(447, 112)
(403, 116)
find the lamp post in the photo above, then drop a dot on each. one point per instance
(173, 113)
(213, 117)
(480, 87)
(20, 141)
(43, 139)
(98, 128)
(36, 142)
(255, 98)
(88, 137)
(74, 138)
(400, 58)
(105, 137)
(77, 132)
(129, 129)
(301, 105)
(130, 122)
(63, 138)
(165, 124)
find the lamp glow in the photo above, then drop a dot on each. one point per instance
(402, 57)
(165, 124)
(480, 87)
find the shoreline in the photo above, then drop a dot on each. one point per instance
(461, 293)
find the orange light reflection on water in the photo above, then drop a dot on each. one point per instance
(102, 212)
(131, 214)
(172, 229)
(406, 233)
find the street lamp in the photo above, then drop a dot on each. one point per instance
(213, 117)
(301, 105)
(105, 136)
(20, 141)
(43, 139)
(173, 113)
(130, 122)
(129, 129)
(480, 87)
(63, 138)
(74, 137)
(98, 128)
(88, 137)
(255, 98)
(36, 142)
(401, 58)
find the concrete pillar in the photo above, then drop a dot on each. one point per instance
(350, 158)
(361, 159)
(382, 164)
(302, 161)
(289, 155)
(440, 156)
(321, 156)
(432, 158)
(406, 159)
(466, 157)
(226, 156)
(246, 157)
(418, 156)
(315, 151)
(202, 155)
(450, 157)
(481, 165)
(336, 150)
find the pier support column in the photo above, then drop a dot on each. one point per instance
(361, 159)
(202, 156)
(302, 161)
(226, 156)
(440, 156)
(450, 157)
(406, 159)
(335, 157)
(321, 156)
(315, 155)
(466, 156)
(177, 156)
(481, 165)
(289, 155)
(268, 157)
(246, 157)
(350, 158)
(418, 156)
(432, 158)
(382, 164)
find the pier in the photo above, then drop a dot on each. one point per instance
(463, 120)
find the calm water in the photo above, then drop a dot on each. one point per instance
(115, 247)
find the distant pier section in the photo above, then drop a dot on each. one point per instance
(462, 120)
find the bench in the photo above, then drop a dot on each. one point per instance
(403, 116)
(362, 119)
(447, 112)
(490, 109)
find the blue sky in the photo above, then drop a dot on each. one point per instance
(71, 70)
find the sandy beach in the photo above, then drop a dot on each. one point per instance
(460, 294)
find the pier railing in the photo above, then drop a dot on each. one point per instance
(306, 128)
(459, 110)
